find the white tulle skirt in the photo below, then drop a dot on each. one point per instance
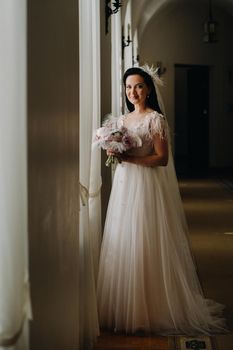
(147, 278)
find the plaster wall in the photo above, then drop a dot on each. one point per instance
(106, 91)
(53, 164)
(174, 36)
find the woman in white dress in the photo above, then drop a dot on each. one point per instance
(147, 279)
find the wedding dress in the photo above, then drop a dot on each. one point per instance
(147, 278)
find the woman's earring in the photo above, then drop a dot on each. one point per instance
(148, 96)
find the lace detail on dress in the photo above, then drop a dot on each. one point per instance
(151, 124)
(158, 125)
(120, 121)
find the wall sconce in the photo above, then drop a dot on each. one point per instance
(210, 27)
(161, 69)
(127, 42)
(109, 11)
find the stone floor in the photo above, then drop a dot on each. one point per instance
(208, 206)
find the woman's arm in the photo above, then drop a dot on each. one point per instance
(160, 158)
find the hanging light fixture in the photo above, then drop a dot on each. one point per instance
(210, 27)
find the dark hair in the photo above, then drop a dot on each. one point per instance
(152, 100)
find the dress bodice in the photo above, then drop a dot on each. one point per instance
(146, 128)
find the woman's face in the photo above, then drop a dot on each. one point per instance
(136, 90)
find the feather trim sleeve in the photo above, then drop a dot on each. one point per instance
(158, 126)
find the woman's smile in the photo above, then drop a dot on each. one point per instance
(136, 89)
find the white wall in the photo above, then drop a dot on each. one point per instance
(175, 37)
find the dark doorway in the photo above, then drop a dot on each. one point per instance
(191, 119)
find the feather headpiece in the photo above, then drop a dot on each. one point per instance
(153, 72)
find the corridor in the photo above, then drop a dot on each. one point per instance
(62, 65)
(208, 204)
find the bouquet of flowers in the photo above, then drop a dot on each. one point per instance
(116, 139)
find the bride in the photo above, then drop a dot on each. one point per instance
(147, 279)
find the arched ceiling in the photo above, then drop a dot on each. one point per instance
(144, 10)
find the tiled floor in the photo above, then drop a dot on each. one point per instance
(208, 205)
(110, 341)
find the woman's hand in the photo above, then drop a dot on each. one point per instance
(111, 157)
(112, 153)
(124, 157)
(159, 158)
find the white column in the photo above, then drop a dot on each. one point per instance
(116, 64)
(135, 49)
(89, 47)
(128, 50)
(14, 297)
